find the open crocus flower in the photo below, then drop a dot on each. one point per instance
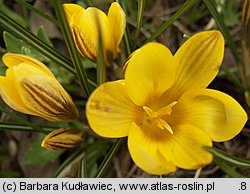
(30, 87)
(164, 108)
(91, 25)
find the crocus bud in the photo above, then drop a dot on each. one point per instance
(91, 25)
(63, 139)
(29, 87)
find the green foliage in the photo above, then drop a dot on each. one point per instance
(36, 155)
(89, 156)
(229, 12)
(15, 45)
(227, 158)
(20, 20)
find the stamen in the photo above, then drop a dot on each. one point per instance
(148, 111)
(156, 116)
(167, 110)
(164, 125)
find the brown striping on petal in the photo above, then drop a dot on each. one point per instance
(64, 131)
(58, 146)
(82, 49)
(58, 107)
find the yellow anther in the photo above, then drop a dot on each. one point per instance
(156, 116)
(166, 110)
(164, 125)
(148, 111)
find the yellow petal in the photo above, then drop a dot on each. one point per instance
(93, 26)
(117, 19)
(149, 72)
(184, 147)
(197, 63)
(11, 60)
(72, 10)
(143, 148)
(42, 94)
(110, 112)
(46, 97)
(10, 94)
(63, 139)
(218, 114)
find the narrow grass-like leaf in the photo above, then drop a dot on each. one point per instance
(71, 47)
(15, 29)
(141, 6)
(228, 169)
(74, 157)
(77, 156)
(226, 158)
(101, 58)
(89, 3)
(11, 13)
(82, 170)
(233, 78)
(127, 42)
(39, 12)
(108, 158)
(4, 126)
(224, 29)
(188, 4)
(4, 109)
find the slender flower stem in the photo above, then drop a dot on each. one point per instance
(71, 47)
(141, 6)
(188, 4)
(109, 157)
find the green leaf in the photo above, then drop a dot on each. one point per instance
(141, 6)
(105, 163)
(36, 155)
(80, 71)
(221, 25)
(39, 12)
(18, 31)
(82, 170)
(12, 14)
(228, 169)
(2, 68)
(188, 4)
(227, 158)
(247, 98)
(13, 44)
(42, 35)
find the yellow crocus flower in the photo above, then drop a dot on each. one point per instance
(91, 25)
(29, 87)
(164, 107)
